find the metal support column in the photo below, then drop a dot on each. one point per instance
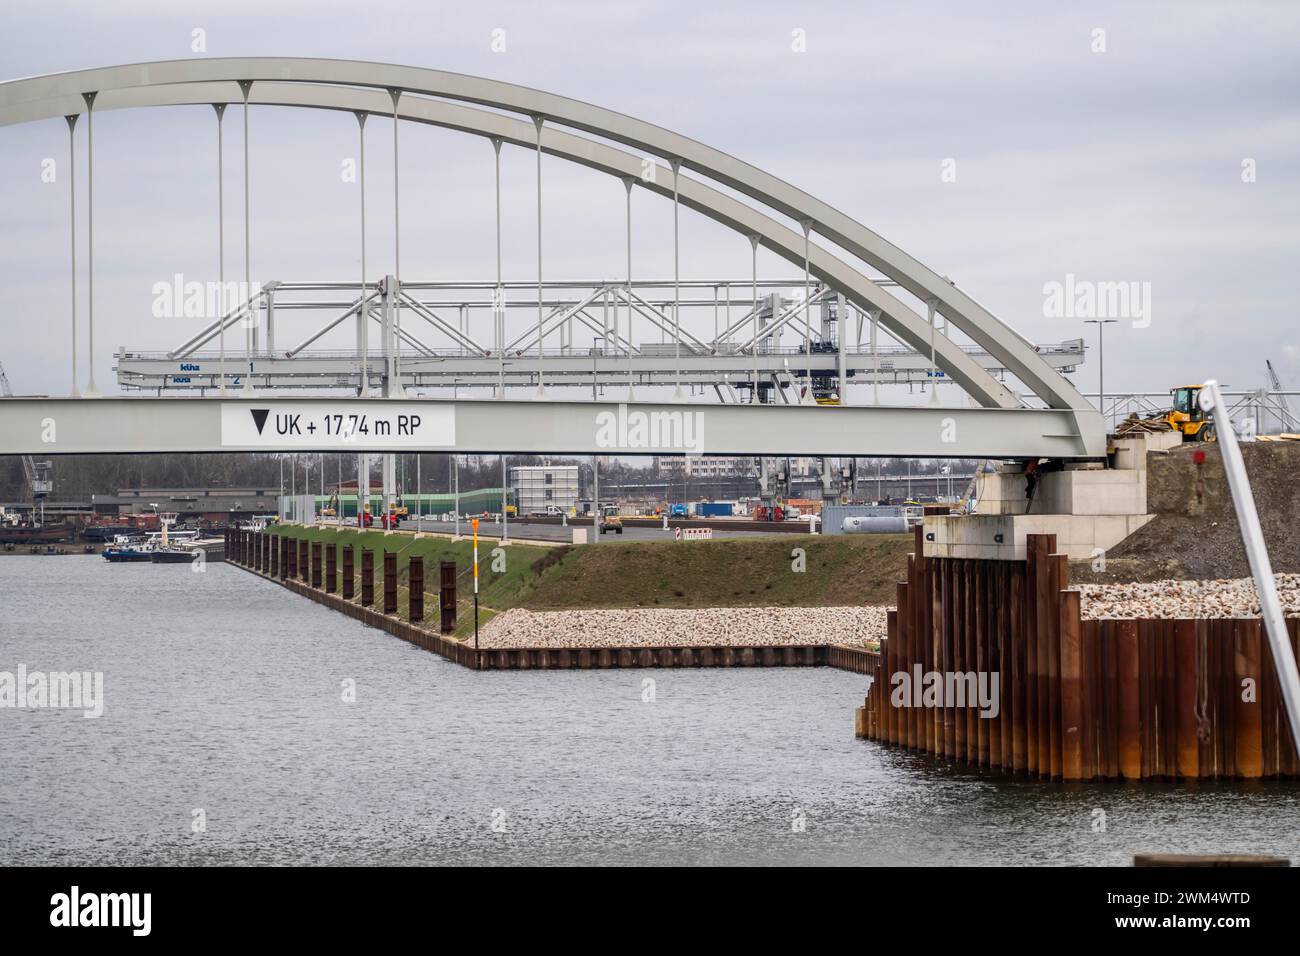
(841, 315)
(72, 206)
(753, 248)
(628, 183)
(541, 331)
(363, 312)
(498, 296)
(250, 316)
(505, 501)
(677, 290)
(875, 358)
(220, 109)
(931, 305)
(91, 390)
(395, 385)
(807, 318)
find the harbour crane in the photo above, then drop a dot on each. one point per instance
(1276, 384)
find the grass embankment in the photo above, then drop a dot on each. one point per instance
(497, 590)
(838, 570)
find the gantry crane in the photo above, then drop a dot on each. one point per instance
(38, 473)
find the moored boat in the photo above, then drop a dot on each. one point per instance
(129, 548)
(34, 534)
(173, 555)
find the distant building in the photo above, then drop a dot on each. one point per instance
(537, 486)
(704, 466)
(208, 503)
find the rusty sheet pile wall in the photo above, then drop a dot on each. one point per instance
(1076, 699)
(243, 546)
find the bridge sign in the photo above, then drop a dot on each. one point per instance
(343, 424)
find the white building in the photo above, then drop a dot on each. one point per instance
(704, 466)
(537, 486)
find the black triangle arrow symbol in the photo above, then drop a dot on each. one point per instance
(259, 417)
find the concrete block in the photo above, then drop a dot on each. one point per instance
(1111, 492)
(976, 536)
(1000, 493)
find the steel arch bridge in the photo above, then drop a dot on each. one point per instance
(1048, 418)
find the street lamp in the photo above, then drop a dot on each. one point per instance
(1101, 361)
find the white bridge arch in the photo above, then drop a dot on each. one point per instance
(1068, 425)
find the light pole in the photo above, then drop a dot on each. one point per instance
(306, 487)
(1101, 361)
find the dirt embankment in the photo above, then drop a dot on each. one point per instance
(1194, 533)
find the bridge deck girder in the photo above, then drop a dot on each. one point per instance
(51, 426)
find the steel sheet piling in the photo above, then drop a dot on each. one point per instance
(1071, 702)
(390, 582)
(415, 588)
(367, 577)
(447, 596)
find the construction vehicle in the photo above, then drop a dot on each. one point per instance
(773, 512)
(611, 520)
(1184, 416)
(331, 509)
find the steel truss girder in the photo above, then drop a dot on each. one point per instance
(580, 367)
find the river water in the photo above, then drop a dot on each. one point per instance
(224, 706)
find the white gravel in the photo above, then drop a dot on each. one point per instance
(854, 626)
(1225, 597)
(681, 627)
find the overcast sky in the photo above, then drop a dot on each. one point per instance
(1122, 165)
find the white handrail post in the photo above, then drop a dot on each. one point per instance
(1211, 400)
